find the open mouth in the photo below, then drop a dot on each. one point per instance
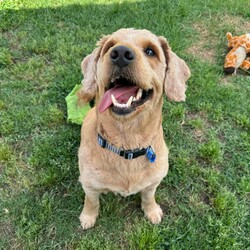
(123, 96)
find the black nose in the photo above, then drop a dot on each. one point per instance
(122, 56)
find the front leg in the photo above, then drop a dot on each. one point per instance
(91, 209)
(151, 209)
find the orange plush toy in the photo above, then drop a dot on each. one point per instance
(239, 54)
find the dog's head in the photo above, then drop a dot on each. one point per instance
(130, 70)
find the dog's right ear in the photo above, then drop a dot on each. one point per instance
(88, 66)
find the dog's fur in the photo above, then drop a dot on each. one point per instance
(101, 170)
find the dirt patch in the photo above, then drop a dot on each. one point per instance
(200, 52)
(240, 24)
(197, 123)
(202, 48)
(7, 232)
(226, 80)
(209, 34)
(6, 229)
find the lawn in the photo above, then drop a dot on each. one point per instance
(206, 195)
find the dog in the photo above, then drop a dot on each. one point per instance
(122, 146)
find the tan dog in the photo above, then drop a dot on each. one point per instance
(122, 146)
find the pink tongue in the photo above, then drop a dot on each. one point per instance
(121, 94)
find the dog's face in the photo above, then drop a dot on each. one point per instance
(129, 72)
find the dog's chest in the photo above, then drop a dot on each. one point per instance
(126, 180)
(127, 186)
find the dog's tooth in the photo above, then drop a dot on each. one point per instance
(139, 94)
(128, 104)
(119, 105)
(115, 102)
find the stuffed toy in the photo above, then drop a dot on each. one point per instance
(239, 54)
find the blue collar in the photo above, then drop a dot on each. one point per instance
(128, 154)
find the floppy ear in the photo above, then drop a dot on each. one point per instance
(176, 75)
(88, 66)
(89, 86)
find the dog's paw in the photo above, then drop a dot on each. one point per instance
(154, 214)
(87, 221)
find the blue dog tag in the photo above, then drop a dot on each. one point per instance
(151, 154)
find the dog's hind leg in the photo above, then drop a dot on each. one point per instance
(91, 209)
(151, 209)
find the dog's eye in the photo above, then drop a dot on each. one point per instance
(149, 52)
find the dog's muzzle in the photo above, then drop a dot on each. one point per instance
(122, 93)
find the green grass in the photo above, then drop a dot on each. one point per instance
(206, 195)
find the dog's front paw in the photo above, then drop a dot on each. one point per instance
(154, 214)
(87, 221)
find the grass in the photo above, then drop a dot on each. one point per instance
(206, 194)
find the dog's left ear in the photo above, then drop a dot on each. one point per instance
(176, 75)
(88, 66)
